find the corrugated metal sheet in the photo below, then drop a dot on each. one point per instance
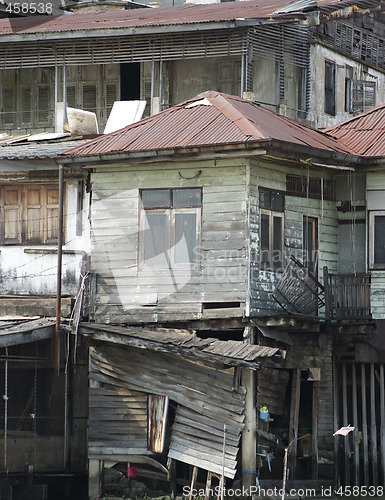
(184, 343)
(38, 149)
(169, 16)
(225, 120)
(364, 133)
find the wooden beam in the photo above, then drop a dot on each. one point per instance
(364, 424)
(314, 459)
(355, 424)
(294, 419)
(345, 423)
(27, 336)
(373, 427)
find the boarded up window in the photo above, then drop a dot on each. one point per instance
(308, 187)
(330, 88)
(30, 214)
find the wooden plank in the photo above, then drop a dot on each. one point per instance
(193, 481)
(356, 456)
(315, 411)
(364, 424)
(345, 423)
(294, 419)
(382, 417)
(373, 428)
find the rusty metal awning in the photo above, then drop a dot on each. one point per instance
(184, 343)
(25, 332)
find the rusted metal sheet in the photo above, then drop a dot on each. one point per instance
(157, 422)
(363, 133)
(210, 119)
(181, 15)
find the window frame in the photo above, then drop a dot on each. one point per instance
(330, 91)
(313, 221)
(371, 228)
(170, 212)
(271, 213)
(23, 208)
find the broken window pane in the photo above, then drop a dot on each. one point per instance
(185, 238)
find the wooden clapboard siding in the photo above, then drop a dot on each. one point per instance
(122, 377)
(263, 283)
(122, 288)
(377, 296)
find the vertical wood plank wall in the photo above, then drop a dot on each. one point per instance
(360, 394)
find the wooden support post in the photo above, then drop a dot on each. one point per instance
(171, 465)
(364, 424)
(373, 427)
(95, 469)
(355, 424)
(249, 433)
(208, 485)
(345, 423)
(382, 406)
(314, 460)
(193, 481)
(327, 294)
(337, 467)
(294, 418)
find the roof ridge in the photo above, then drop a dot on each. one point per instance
(245, 125)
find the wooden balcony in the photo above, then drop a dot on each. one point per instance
(341, 297)
(347, 296)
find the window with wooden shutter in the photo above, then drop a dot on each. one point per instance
(71, 96)
(30, 214)
(11, 206)
(330, 88)
(26, 102)
(111, 97)
(89, 97)
(34, 214)
(8, 106)
(363, 95)
(43, 104)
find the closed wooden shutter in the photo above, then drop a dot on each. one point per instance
(33, 214)
(43, 103)
(111, 96)
(71, 96)
(89, 97)
(12, 214)
(52, 215)
(8, 106)
(25, 105)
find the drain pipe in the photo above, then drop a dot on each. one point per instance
(59, 269)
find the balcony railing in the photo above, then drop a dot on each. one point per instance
(347, 296)
(341, 297)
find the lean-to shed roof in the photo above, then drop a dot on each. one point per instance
(364, 133)
(210, 120)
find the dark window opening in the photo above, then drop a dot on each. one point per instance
(330, 88)
(130, 81)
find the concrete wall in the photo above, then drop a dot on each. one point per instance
(318, 53)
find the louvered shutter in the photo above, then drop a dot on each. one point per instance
(89, 97)
(71, 96)
(33, 214)
(111, 96)
(26, 102)
(146, 95)
(43, 103)
(52, 214)
(8, 106)
(12, 214)
(363, 95)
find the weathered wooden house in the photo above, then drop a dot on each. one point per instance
(316, 61)
(220, 217)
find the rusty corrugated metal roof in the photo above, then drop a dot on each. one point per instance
(364, 133)
(169, 16)
(211, 119)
